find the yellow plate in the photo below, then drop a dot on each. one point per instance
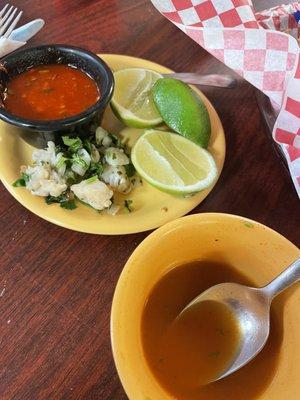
(152, 208)
(253, 249)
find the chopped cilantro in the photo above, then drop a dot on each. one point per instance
(61, 162)
(220, 331)
(128, 205)
(130, 170)
(249, 224)
(48, 90)
(116, 141)
(88, 145)
(214, 354)
(95, 169)
(51, 199)
(21, 181)
(64, 200)
(70, 181)
(74, 144)
(59, 149)
(92, 179)
(68, 205)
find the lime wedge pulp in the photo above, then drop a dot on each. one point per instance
(132, 101)
(173, 163)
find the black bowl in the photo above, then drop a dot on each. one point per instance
(38, 133)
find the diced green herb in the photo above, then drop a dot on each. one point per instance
(128, 205)
(116, 141)
(64, 200)
(51, 199)
(71, 181)
(130, 170)
(68, 205)
(92, 179)
(95, 168)
(59, 149)
(61, 162)
(25, 176)
(214, 354)
(74, 144)
(88, 145)
(21, 181)
(220, 331)
(70, 176)
(48, 90)
(249, 225)
(76, 159)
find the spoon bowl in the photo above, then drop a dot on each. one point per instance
(251, 308)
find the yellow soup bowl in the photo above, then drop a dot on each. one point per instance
(253, 249)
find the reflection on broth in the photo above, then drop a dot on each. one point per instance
(186, 353)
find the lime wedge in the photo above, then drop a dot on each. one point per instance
(182, 110)
(132, 100)
(173, 163)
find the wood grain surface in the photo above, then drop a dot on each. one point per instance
(56, 285)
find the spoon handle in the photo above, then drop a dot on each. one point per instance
(287, 278)
(216, 80)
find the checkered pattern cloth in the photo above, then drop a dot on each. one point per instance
(268, 59)
(284, 18)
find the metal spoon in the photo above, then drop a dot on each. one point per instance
(251, 307)
(225, 81)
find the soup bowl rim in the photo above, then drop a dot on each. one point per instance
(142, 384)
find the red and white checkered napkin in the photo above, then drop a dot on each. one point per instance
(268, 59)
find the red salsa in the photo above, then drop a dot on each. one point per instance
(49, 92)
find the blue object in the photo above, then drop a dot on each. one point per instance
(297, 16)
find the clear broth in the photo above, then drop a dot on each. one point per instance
(186, 353)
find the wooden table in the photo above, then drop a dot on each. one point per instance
(56, 286)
